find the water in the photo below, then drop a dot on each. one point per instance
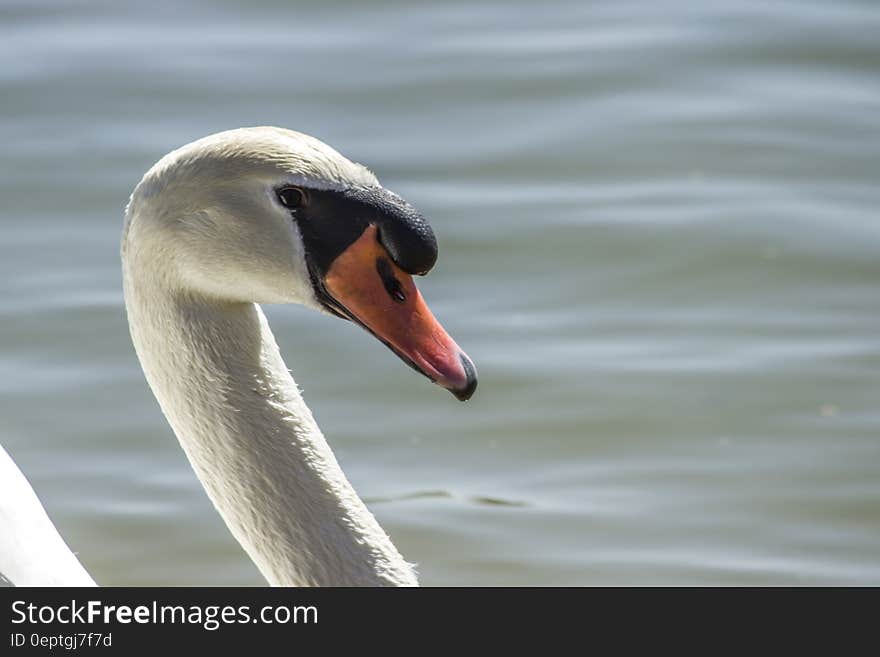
(659, 242)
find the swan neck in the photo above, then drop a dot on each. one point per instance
(218, 375)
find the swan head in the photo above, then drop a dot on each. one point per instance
(267, 215)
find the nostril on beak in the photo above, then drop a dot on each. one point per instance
(389, 280)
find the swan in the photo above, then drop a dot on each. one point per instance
(215, 228)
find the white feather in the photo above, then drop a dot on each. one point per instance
(32, 553)
(205, 241)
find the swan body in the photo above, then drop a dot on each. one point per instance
(32, 552)
(249, 216)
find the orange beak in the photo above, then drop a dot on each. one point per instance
(373, 291)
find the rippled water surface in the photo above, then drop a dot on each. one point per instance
(659, 241)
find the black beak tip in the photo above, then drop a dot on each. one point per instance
(471, 372)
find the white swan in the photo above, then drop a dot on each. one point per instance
(258, 215)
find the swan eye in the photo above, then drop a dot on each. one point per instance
(292, 197)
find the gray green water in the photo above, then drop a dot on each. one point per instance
(660, 243)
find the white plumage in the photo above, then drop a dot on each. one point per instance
(32, 553)
(205, 241)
